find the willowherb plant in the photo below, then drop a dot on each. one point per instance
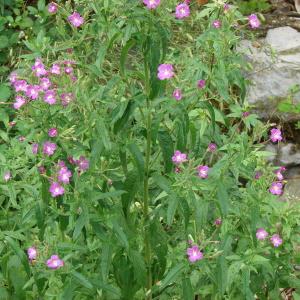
(140, 171)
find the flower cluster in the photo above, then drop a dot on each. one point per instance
(262, 234)
(194, 254)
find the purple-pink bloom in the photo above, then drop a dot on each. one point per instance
(32, 253)
(182, 11)
(276, 188)
(55, 69)
(258, 174)
(49, 148)
(7, 176)
(279, 175)
(49, 97)
(151, 4)
(75, 19)
(68, 70)
(216, 24)
(13, 77)
(52, 8)
(218, 221)
(261, 234)
(212, 147)
(275, 135)
(42, 170)
(64, 175)
(245, 114)
(71, 160)
(66, 98)
(39, 68)
(201, 83)
(20, 101)
(45, 83)
(35, 148)
(276, 240)
(32, 91)
(56, 189)
(253, 21)
(226, 7)
(54, 262)
(52, 132)
(165, 71)
(82, 163)
(179, 157)
(22, 138)
(194, 254)
(20, 85)
(177, 94)
(203, 171)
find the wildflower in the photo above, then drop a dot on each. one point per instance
(56, 189)
(71, 160)
(203, 171)
(52, 132)
(201, 83)
(20, 85)
(49, 97)
(22, 138)
(54, 262)
(12, 123)
(245, 114)
(39, 68)
(55, 69)
(216, 23)
(68, 70)
(82, 163)
(261, 234)
(218, 222)
(52, 8)
(49, 148)
(7, 176)
(73, 78)
(194, 254)
(32, 91)
(182, 11)
(212, 147)
(151, 4)
(13, 77)
(177, 94)
(45, 83)
(35, 148)
(66, 98)
(64, 175)
(226, 7)
(165, 71)
(20, 101)
(279, 175)
(257, 175)
(276, 240)
(75, 19)
(32, 253)
(42, 170)
(275, 135)
(177, 170)
(179, 157)
(253, 21)
(276, 188)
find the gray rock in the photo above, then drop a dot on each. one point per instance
(284, 154)
(276, 68)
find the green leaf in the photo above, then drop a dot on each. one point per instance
(3, 41)
(138, 159)
(172, 275)
(106, 256)
(211, 111)
(124, 54)
(4, 90)
(82, 280)
(82, 221)
(103, 134)
(223, 198)
(120, 234)
(187, 289)
(222, 274)
(167, 148)
(41, 5)
(172, 206)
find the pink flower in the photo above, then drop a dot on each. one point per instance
(75, 19)
(13, 77)
(275, 135)
(276, 188)
(68, 70)
(35, 148)
(218, 222)
(49, 97)
(276, 240)
(39, 68)
(55, 69)
(66, 98)
(20, 101)
(216, 23)
(226, 7)
(261, 234)
(52, 8)
(20, 85)
(64, 175)
(32, 253)
(253, 21)
(182, 11)
(203, 171)
(212, 147)
(194, 254)
(54, 262)
(42, 170)
(82, 163)
(45, 83)
(177, 94)
(245, 114)
(49, 148)
(201, 83)
(279, 175)
(179, 157)
(22, 138)
(71, 160)
(7, 176)
(32, 91)
(257, 175)
(177, 170)
(151, 4)
(52, 132)
(56, 189)
(165, 71)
